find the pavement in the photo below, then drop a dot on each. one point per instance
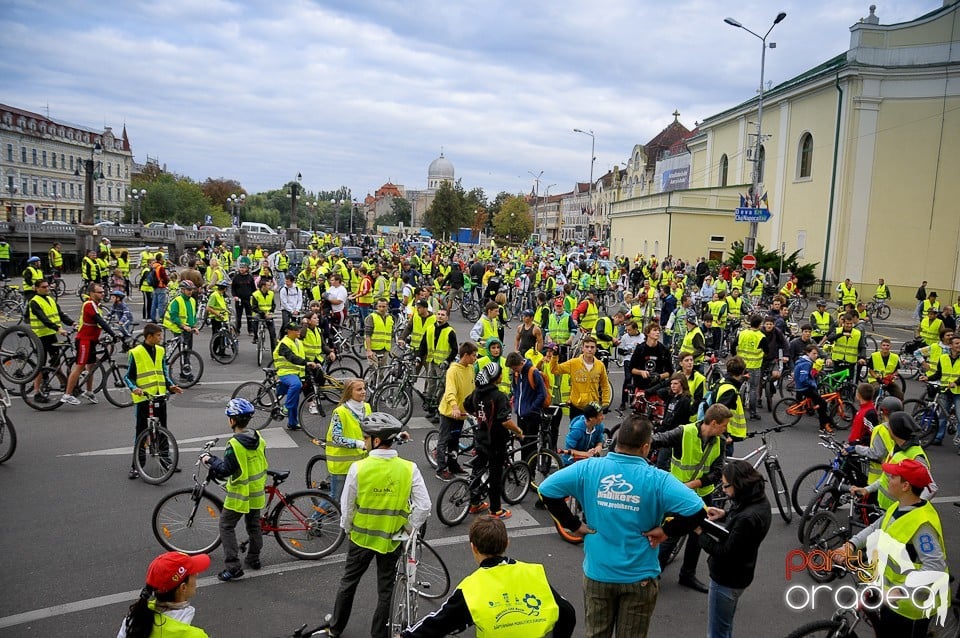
(79, 558)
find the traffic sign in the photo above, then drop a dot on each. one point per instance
(30, 213)
(752, 215)
(749, 262)
(209, 219)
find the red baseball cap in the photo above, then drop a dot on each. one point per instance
(913, 472)
(168, 571)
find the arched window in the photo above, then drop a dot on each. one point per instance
(724, 165)
(761, 161)
(805, 160)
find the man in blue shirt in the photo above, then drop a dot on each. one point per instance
(626, 500)
(585, 438)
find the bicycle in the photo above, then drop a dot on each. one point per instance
(225, 344)
(844, 621)
(261, 336)
(764, 454)
(107, 374)
(8, 434)
(414, 578)
(825, 532)
(396, 395)
(453, 503)
(185, 365)
(305, 523)
(467, 443)
(21, 355)
(788, 411)
(927, 412)
(156, 451)
(878, 308)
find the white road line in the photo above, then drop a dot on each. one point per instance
(275, 438)
(208, 581)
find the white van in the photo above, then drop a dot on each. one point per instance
(257, 227)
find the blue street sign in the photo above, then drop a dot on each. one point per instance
(752, 215)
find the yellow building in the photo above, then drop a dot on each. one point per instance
(859, 159)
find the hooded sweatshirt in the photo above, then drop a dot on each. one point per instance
(228, 465)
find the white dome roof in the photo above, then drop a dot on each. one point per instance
(440, 168)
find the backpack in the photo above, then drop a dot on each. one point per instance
(709, 398)
(548, 399)
(152, 278)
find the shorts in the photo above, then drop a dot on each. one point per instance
(85, 351)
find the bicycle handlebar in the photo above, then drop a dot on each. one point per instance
(750, 435)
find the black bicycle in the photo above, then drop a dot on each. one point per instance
(156, 452)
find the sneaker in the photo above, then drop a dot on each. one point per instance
(283, 409)
(480, 507)
(444, 475)
(69, 399)
(90, 396)
(826, 428)
(253, 562)
(230, 574)
(133, 474)
(754, 416)
(502, 514)
(295, 427)
(457, 470)
(40, 397)
(313, 409)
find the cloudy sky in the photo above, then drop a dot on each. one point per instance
(361, 91)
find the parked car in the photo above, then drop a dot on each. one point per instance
(54, 222)
(353, 253)
(257, 227)
(168, 225)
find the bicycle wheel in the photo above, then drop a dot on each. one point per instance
(430, 447)
(845, 411)
(779, 486)
(114, 386)
(515, 482)
(261, 344)
(453, 502)
(827, 500)
(223, 348)
(675, 551)
(824, 628)
(156, 455)
(57, 287)
(927, 418)
(393, 399)
(264, 399)
(401, 597)
(21, 355)
(577, 510)
(542, 464)
(433, 577)
(470, 310)
(52, 384)
(317, 476)
(824, 532)
(312, 423)
(308, 524)
(8, 436)
(11, 312)
(810, 482)
(183, 523)
(787, 387)
(782, 413)
(186, 368)
(346, 367)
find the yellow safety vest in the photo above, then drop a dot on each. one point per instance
(590, 317)
(36, 276)
(604, 340)
(558, 327)
(882, 292)
(691, 464)
(504, 384)
(949, 371)
(168, 627)
(418, 326)
(283, 262)
(884, 497)
(927, 306)
(264, 303)
(718, 310)
(283, 365)
(366, 298)
(881, 430)
(313, 344)
(56, 259)
(186, 309)
(382, 333)
(738, 423)
(687, 345)
(734, 307)
(150, 377)
(846, 347)
(123, 265)
(877, 365)
(217, 306)
(756, 288)
(748, 347)
(383, 502)
(847, 295)
(245, 491)
(821, 322)
(510, 600)
(902, 529)
(49, 306)
(491, 329)
(736, 283)
(438, 347)
(930, 330)
(339, 459)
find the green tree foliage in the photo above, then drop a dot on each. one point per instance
(514, 220)
(172, 198)
(767, 259)
(446, 213)
(218, 190)
(400, 211)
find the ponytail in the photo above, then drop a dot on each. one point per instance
(140, 620)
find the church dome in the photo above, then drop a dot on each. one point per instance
(440, 168)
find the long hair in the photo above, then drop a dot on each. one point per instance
(140, 620)
(684, 386)
(348, 387)
(747, 482)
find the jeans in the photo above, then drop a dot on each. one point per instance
(358, 559)
(289, 388)
(159, 304)
(448, 442)
(628, 607)
(337, 481)
(721, 606)
(945, 400)
(228, 534)
(755, 374)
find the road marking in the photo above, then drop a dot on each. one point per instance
(275, 438)
(208, 581)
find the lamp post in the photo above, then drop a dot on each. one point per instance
(312, 207)
(547, 197)
(354, 209)
(89, 169)
(593, 158)
(137, 197)
(536, 197)
(295, 190)
(234, 204)
(336, 214)
(750, 242)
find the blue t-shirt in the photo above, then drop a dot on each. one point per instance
(579, 439)
(622, 497)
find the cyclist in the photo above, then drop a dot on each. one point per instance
(494, 349)
(378, 333)
(55, 259)
(263, 305)
(751, 345)
(289, 358)
(458, 384)
(866, 419)
(930, 326)
(588, 377)
(805, 385)
(849, 347)
(244, 465)
(163, 607)
(822, 321)
(217, 308)
(487, 327)
(491, 408)
(46, 321)
(344, 439)
(607, 329)
(883, 291)
(147, 377)
(373, 516)
(947, 371)
(438, 349)
(32, 275)
(88, 333)
(242, 286)
(881, 441)
(883, 369)
(89, 268)
(498, 578)
(119, 311)
(181, 316)
(586, 436)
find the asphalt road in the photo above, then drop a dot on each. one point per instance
(76, 536)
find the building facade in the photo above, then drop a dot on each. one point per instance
(440, 171)
(42, 165)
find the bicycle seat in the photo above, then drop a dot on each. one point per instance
(269, 370)
(280, 476)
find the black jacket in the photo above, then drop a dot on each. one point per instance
(733, 560)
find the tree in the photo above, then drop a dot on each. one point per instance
(480, 220)
(446, 213)
(218, 190)
(171, 198)
(771, 259)
(401, 211)
(514, 220)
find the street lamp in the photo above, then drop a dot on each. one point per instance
(312, 207)
(234, 203)
(354, 209)
(89, 175)
(336, 214)
(547, 197)
(593, 157)
(138, 196)
(750, 243)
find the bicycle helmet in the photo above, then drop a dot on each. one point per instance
(187, 285)
(380, 425)
(118, 293)
(488, 375)
(239, 407)
(891, 404)
(223, 283)
(33, 259)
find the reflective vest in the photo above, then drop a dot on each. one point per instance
(902, 530)
(569, 303)
(491, 330)
(505, 373)
(737, 284)
(694, 384)
(438, 346)
(56, 259)
(847, 295)
(49, 306)
(691, 464)
(877, 365)
(558, 327)
(734, 307)
(144, 286)
(882, 292)
(884, 498)
(339, 459)
(821, 322)
(167, 627)
(36, 276)
(217, 306)
(604, 340)
(846, 347)
(418, 325)
(185, 309)
(264, 303)
(589, 318)
(949, 371)
(123, 265)
(150, 377)
(748, 347)
(367, 297)
(4, 251)
(756, 288)
(313, 344)
(687, 345)
(738, 423)
(382, 332)
(559, 384)
(930, 330)
(381, 287)
(245, 491)
(283, 365)
(510, 600)
(881, 430)
(927, 306)
(383, 502)
(719, 311)
(283, 262)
